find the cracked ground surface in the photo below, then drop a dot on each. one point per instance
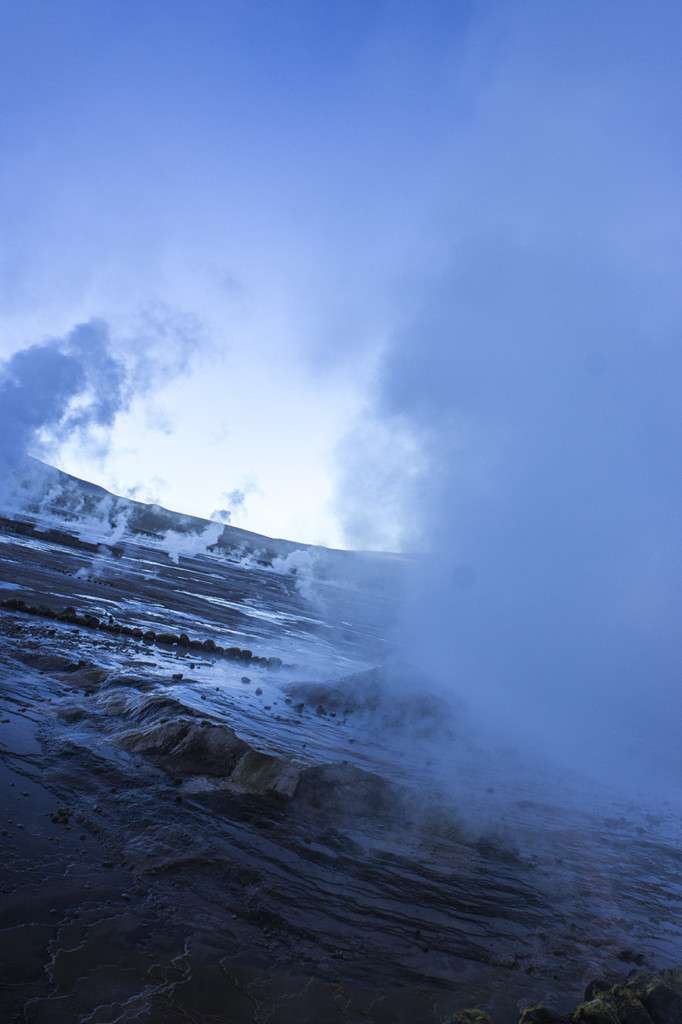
(131, 892)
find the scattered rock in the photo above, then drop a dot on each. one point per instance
(629, 956)
(166, 639)
(72, 715)
(149, 636)
(61, 816)
(372, 693)
(86, 677)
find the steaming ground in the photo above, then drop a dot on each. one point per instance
(195, 835)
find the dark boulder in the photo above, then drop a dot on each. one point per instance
(167, 639)
(48, 662)
(660, 994)
(86, 677)
(617, 1005)
(344, 789)
(539, 1014)
(265, 773)
(189, 746)
(602, 984)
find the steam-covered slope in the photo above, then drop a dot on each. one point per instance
(43, 491)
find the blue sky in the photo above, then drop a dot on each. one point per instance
(247, 164)
(298, 181)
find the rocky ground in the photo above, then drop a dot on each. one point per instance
(198, 826)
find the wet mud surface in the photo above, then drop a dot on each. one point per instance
(188, 838)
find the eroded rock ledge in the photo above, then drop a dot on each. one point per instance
(641, 998)
(206, 753)
(190, 745)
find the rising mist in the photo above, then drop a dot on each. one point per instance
(537, 373)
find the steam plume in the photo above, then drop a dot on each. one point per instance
(538, 374)
(79, 383)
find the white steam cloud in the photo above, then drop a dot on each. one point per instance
(60, 387)
(76, 386)
(538, 374)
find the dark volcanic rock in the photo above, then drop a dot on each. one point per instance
(643, 999)
(660, 994)
(472, 1016)
(396, 702)
(602, 984)
(183, 742)
(86, 677)
(540, 1014)
(189, 746)
(265, 773)
(619, 1005)
(48, 662)
(347, 790)
(166, 639)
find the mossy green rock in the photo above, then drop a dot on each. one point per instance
(539, 1014)
(597, 1011)
(661, 995)
(621, 1004)
(628, 1006)
(471, 1017)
